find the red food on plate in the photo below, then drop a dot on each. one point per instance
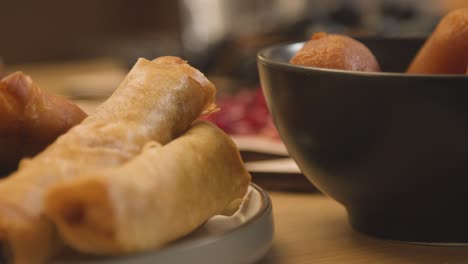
(245, 113)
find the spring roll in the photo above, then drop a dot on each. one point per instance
(446, 50)
(30, 119)
(157, 101)
(164, 193)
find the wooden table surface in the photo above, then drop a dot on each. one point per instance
(309, 227)
(312, 228)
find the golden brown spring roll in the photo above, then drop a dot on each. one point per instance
(30, 119)
(446, 50)
(158, 100)
(162, 194)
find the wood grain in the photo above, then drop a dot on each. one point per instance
(312, 228)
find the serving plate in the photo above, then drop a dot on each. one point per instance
(244, 237)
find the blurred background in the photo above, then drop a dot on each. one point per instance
(83, 49)
(219, 36)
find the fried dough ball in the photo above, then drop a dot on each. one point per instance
(334, 51)
(446, 50)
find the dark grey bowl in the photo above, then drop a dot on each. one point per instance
(392, 148)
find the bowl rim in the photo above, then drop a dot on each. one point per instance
(264, 59)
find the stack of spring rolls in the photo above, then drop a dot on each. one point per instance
(138, 173)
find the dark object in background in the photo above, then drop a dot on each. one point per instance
(346, 14)
(391, 147)
(274, 180)
(57, 30)
(399, 11)
(235, 57)
(2, 66)
(284, 182)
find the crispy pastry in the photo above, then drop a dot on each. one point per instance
(158, 100)
(162, 194)
(446, 50)
(30, 119)
(338, 52)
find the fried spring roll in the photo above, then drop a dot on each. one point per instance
(158, 100)
(30, 119)
(162, 194)
(446, 50)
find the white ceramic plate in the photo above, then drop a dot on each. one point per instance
(244, 237)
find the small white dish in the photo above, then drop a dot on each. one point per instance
(244, 237)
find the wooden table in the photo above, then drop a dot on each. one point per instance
(312, 228)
